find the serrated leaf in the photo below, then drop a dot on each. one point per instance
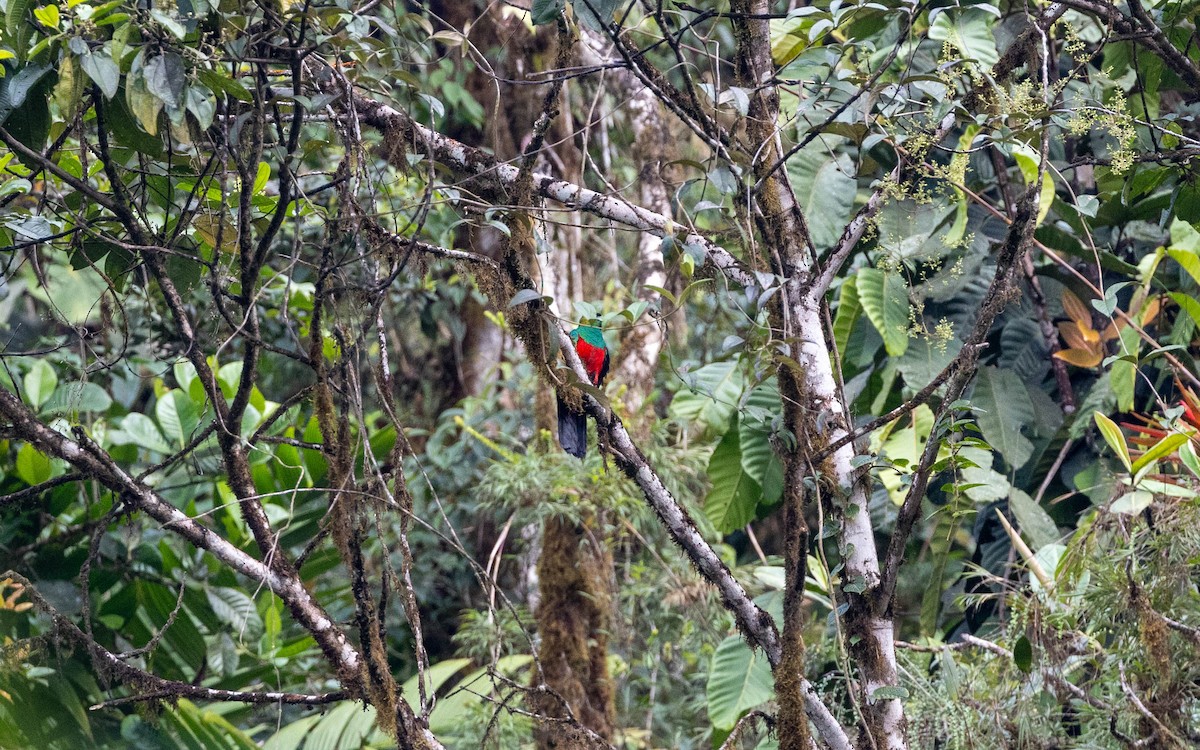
(1002, 408)
(739, 679)
(734, 495)
(884, 298)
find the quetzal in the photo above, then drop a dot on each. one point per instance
(593, 353)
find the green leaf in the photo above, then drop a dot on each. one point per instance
(1122, 374)
(734, 496)
(177, 416)
(143, 105)
(1188, 259)
(1188, 455)
(1132, 503)
(218, 81)
(825, 185)
(711, 398)
(451, 711)
(594, 14)
(33, 466)
(889, 692)
(1161, 449)
(1189, 305)
(437, 675)
(101, 69)
(1023, 655)
(47, 15)
(738, 680)
(884, 297)
(138, 429)
(848, 310)
(1002, 408)
(165, 78)
(970, 31)
(16, 23)
(291, 735)
(1112, 435)
(1028, 160)
(40, 383)
(237, 610)
(76, 397)
(261, 175)
(759, 459)
(546, 11)
(1034, 522)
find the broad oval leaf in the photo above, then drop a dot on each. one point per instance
(1002, 409)
(734, 495)
(738, 680)
(884, 297)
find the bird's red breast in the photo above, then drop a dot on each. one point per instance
(593, 358)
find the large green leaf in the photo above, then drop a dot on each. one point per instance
(473, 691)
(738, 680)
(884, 297)
(40, 383)
(711, 397)
(291, 735)
(848, 310)
(825, 186)
(1034, 523)
(759, 458)
(1002, 409)
(237, 610)
(970, 31)
(177, 416)
(734, 495)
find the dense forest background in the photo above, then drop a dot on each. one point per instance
(900, 446)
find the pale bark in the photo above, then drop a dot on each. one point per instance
(755, 624)
(813, 390)
(637, 357)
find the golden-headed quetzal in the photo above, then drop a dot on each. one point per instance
(593, 353)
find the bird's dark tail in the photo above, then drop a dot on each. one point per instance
(572, 430)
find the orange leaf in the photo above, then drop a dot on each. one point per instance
(1075, 338)
(1151, 310)
(1075, 309)
(1079, 357)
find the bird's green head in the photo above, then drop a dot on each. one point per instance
(589, 331)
